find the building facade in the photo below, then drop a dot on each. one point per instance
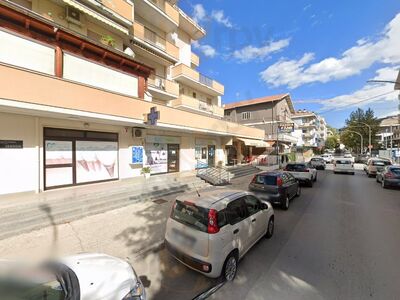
(265, 113)
(310, 129)
(89, 94)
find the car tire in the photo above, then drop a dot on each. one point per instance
(377, 179)
(352, 173)
(270, 228)
(310, 183)
(298, 192)
(229, 269)
(315, 178)
(285, 204)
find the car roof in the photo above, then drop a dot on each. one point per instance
(277, 172)
(211, 196)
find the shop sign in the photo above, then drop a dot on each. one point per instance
(205, 142)
(286, 127)
(162, 139)
(153, 116)
(137, 155)
(11, 144)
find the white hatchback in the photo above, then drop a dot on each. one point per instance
(210, 232)
(343, 165)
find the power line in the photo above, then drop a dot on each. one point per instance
(361, 101)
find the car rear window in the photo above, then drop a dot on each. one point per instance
(295, 167)
(395, 171)
(266, 179)
(380, 163)
(343, 162)
(317, 159)
(190, 214)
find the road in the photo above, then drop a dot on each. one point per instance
(339, 240)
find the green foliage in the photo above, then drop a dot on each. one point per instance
(354, 123)
(145, 170)
(331, 142)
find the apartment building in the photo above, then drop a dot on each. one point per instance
(265, 113)
(389, 132)
(310, 129)
(96, 90)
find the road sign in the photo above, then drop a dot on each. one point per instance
(285, 127)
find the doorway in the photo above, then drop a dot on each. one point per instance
(211, 156)
(173, 158)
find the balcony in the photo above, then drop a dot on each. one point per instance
(163, 88)
(195, 60)
(121, 8)
(197, 81)
(156, 43)
(195, 31)
(189, 103)
(159, 12)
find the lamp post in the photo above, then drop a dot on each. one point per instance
(369, 136)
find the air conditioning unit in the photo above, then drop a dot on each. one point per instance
(73, 15)
(138, 132)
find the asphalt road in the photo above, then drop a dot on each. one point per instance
(339, 240)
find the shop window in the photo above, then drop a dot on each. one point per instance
(197, 152)
(246, 115)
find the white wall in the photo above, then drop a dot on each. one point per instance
(19, 171)
(183, 42)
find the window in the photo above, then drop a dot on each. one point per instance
(194, 95)
(236, 211)
(267, 180)
(253, 204)
(246, 115)
(209, 101)
(189, 214)
(204, 153)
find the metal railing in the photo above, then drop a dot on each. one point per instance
(213, 175)
(206, 80)
(157, 81)
(154, 39)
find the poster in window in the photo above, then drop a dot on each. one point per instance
(96, 161)
(58, 152)
(137, 155)
(157, 157)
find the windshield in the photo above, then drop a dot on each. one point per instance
(380, 163)
(343, 162)
(395, 171)
(190, 214)
(295, 167)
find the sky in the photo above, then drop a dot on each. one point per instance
(320, 52)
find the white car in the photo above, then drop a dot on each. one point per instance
(211, 232)
(328, 158)
(79, 277)
(303, 172)
(349, 156)
(343, 165)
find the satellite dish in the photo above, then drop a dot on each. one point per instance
(129, 51)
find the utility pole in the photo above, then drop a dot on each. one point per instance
(362, 139)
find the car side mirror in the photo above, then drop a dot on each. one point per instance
(264, 206)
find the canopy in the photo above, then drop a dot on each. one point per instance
(255, 143)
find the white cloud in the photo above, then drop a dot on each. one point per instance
(199, 13)
(250, 52)
(294, 73)
(218, 16)
(371, 93)
(207, 50)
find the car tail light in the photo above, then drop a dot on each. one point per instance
(254, 179)
(172, 209)
(212, 221)
(305, 170)
(279, 181)
(389, 175)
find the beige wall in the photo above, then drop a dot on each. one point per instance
(19, 167)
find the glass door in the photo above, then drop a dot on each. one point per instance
(173, 158)
(58, 163)
(211, 156)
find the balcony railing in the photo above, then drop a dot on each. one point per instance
(206, 80)
(163, 84)
(196, 104)
(149, 36)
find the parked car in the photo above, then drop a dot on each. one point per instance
(318, 163)
(349, 156)
(361, 158)
(327, 157)
(211, 232)
(343, 165)
(389, 176)
(375, 165)
(80, 277)
(275, 187)
(303, 172)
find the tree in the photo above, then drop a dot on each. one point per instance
(355, 123)
(331, 142)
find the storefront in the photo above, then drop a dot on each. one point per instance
(205, 152)
(73, 157)
(162, 154)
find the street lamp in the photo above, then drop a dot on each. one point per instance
(369, 135)
(362, 139)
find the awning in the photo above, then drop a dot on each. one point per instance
(255, 143)
(96, 15)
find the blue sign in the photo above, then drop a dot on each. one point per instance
(137, 155)
(153, 116)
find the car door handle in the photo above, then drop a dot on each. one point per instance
(235, 231)
(253, 220)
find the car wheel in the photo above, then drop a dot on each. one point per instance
(230, 267)
(270, 228)
(298, 192)
(384, 184)
(285, 204)
(315, 178)
(310, 183)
